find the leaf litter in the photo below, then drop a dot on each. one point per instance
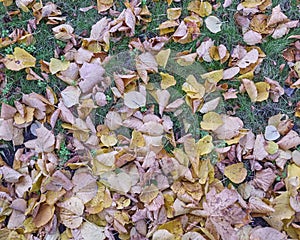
(133, 175)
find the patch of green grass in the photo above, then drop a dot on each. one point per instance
(64, 154)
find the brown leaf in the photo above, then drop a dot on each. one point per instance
(230, 128)
(144, 63)
(45, 141)
(92, 74)
(44, 215)
(251, 37)
(264, 179)
(71, 211)
(291, 140)
(85, 186)
(259, 151)
(267, 233)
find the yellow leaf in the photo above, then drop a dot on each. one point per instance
(108, 140)
(44, 215)
(29, 225)
(293, 171)
(7, 2)
(214, 76)
(297, 68)
(203, 9)
(174, 227)
(162, 57)
(57, 65)
(262, 91)
(251, 89)
(193, 88)
(137, 139)
(104, 5)
(167, 80)
(19, 60)
(29, 112)
(211, 121)
(271, 147)
(100, 201)
(252, 3)
(205, 145)
(149, 193)
(173, 13)
(167, 27)
(236, 173)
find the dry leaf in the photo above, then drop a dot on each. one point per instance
(211, 121)
(289, 141)
(230, 128)
(162, 57)
(271, 133)
(71, 211)
(90, 231)
(134, 99)
(213, 24)
(45, 141)
(44, 215)
(167, 80)
(173, 13)
(251, 89)
(236, 173)
(203, 9)
(70, 96)
(251, 37)
(19, 60)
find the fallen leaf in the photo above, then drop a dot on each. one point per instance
(213, 24)
(45, 141)
(250, 57)
(162, 57)
(121, 182)
(71, 211)
(104, 5)
(173, 13)
(134, 99)
(251, 37)
(205, 145)
(289, 141)
(19, 60)
(70, 96)
(267, 233)
(167, 80)
(230, 128)
(90, 231)
(271, 133)
(236, 173)
(211, 121)
(251, 89)
(203, 9)
(44, 215)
